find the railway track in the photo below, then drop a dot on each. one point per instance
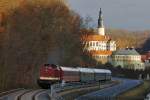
(10, 91)
(38, 94)
(42, 94)
(26, 94)
(71, 94)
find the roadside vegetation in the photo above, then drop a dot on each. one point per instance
(137, 93)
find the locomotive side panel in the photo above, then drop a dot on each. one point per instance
(49, 74)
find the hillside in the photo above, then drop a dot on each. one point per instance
(37, 33)
(136, 39)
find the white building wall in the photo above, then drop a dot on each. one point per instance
(112, 46)
(131, 61)
(101, 31)
(100, 45)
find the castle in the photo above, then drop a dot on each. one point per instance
(103, 49)
(99, 45)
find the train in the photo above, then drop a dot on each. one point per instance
(51, 74)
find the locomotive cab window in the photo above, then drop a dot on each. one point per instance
(46, 64)
(53, 66)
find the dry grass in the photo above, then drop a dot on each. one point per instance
(137, 93)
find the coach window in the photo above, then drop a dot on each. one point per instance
(93, 43)
(90, 43)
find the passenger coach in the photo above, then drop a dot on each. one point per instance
(70, 74)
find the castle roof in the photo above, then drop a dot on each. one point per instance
(101, 52)
(95, 37)
(146, 56)
(127, 51)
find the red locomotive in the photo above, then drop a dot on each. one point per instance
(50, 74)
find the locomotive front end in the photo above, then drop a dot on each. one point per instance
(49, 74)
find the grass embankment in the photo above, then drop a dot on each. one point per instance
(137, 93)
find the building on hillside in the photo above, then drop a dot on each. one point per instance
(99, 45)
(127, 58)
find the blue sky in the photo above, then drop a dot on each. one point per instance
(118, 14)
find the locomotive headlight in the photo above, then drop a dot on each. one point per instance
(49, 78)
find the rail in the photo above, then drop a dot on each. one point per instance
(113, 91)
(10, 91)
(22, 94)
(56, 88)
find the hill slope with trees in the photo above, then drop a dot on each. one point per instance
(36, 30)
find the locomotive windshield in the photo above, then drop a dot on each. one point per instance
(50, 65)
(46, 64)
(53, 66)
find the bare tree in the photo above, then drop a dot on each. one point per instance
(34, 31)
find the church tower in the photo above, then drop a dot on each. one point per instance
(101, 29)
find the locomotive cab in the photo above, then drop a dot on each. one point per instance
(49, 74)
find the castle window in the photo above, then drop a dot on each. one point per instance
(93, 43)
(87, 44)
(90, 43)
(96, 43)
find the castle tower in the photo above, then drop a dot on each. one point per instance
(101, 29)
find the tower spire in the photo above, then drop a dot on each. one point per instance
(100, 19)
(101, 29)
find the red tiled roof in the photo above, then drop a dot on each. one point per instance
(143, 57)
(100, 52)
(95, 37)
(146, 56)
